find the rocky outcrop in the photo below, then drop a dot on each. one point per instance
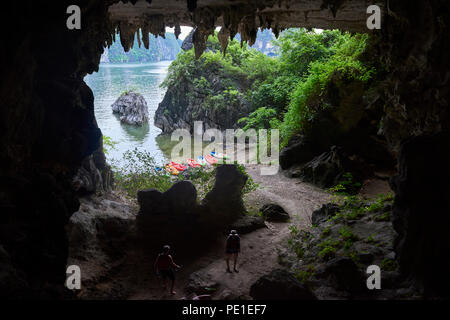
(177, 209)
(247, 224)
(180, 199)
(132, 108)
(274, 212)
(188, 42)
(343, 137)
(189, 101)
(100, 235)
(332, 258)
(94, 175)
(280, 285)
(224, 202)
(324, 213)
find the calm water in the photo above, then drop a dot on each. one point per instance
(108, 83)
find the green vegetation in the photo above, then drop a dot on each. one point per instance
(141, 172)
(328, 249)
(325, 232)
(284, 92)
(108, 144)
(128, 91)
(306, 274)
(346, 187)
(388, 264)
(370, 239)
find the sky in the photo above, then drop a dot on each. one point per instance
(184, 31)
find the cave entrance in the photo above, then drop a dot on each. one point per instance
(49, 128)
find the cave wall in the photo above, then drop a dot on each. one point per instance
(417, 123)
(48, 126)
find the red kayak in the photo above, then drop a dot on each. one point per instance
(178, 166)
(210, 159)
(192, 163)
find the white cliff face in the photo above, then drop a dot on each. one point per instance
(105, 56)
(132, 108)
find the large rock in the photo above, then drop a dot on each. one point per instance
(188, 42)
(191, 223)
(132, 108)
(150, 201)
(324, 170)
(298, 151)
(179, 110)
(325, 212)
(181, 198)
(224, 202)
(280, 285)
(274, 212)
(345, 275)
(247, 224)
(94, 175)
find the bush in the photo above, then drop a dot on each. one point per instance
(139, 171)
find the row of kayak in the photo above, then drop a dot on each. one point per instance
(175, 168)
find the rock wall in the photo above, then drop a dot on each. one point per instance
(185, 103)
(48, 127)
(418, 91)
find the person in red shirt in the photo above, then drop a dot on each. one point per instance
(164, 265)
(233, 247)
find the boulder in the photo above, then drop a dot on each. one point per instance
(324, 170)
(345, 275)
(325, 212)
(274, 212)
(247, 224)
(132, 108)
(181, 198)
(150, 201)
(280, 285)
(224, 203)
(298, 151)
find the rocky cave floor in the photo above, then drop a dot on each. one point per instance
(326, 252)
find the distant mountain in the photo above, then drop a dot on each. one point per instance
(263, 42)
(159, 49)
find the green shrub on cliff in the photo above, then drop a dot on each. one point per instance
(286, 91)
(308, 97)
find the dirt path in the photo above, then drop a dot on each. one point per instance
(259, 248)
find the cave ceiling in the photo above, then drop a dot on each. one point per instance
(234, 16)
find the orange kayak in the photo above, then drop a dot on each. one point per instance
(210, 159)
(192, 163)
(170, 169)
(178, 166)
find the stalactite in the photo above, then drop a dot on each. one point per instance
(138, 37)
(177, 30)
(223, 36)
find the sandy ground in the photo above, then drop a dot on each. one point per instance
(259, 248)
(134, 277)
